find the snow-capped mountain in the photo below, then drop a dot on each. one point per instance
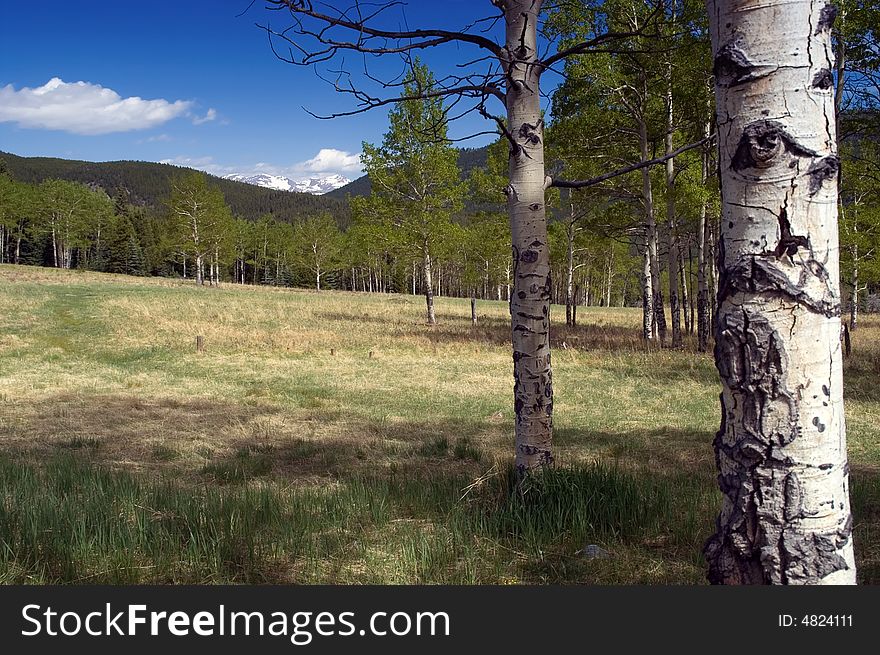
(315, 185)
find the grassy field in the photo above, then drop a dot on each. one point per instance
(334, 438)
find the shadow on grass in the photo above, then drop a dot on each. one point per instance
(374, 502)
(865, 498)
(396, 527)
(495, 330)
(662, 449)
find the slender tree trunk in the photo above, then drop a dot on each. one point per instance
(651, 243)
(674, 259)
(610, 277)
(429, 288)
(702, 285)
(530, 299)
(781, 448)
(854, 297)
(648, 328)
(686, 304)
(569, 277)
(55, 248)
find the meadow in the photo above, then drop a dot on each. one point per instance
(335, 438)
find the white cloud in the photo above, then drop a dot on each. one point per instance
(211, 115)
(327, 162)
(84, 108)
(330, 160)
(164, 138)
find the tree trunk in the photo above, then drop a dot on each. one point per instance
(854, 297)
(610, 278)
(530, 299)
(702, 285)
(674, 306)
(686, 272)
(652, 262)
(200, 270)
(648, 328)
(569, 279)
(781, 448)
(429, 289)
(473, 309)
(55, 248)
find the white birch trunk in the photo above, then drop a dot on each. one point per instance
(674, 300)
(781, 448)
(648, 328)
(703, 301)
(429, 289)
(530, 299)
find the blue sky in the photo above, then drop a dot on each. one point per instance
(187, 82)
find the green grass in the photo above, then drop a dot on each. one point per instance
(127, 456)
(71, 522)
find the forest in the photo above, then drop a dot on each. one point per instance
(707, 190)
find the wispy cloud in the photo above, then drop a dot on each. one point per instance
(84, 108)
(158, 138)
(211, 115)
(206, 164)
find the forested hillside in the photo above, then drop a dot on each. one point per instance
(468, 159)
(149, 184)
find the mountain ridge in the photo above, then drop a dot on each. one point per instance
(149, 184)
(317, 185)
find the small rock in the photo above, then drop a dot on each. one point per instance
(592, 551)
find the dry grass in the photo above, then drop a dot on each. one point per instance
(105, 368)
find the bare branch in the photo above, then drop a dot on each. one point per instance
(582, 184)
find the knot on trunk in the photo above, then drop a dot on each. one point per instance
(762, 145)
(821, 170)
(826, 18)
(732, 66)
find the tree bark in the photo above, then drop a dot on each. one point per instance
(854, 296)
(569, 278)
(781, 448)
(55, 247)
(702, 285)
(658, 328)
(685, 272)
(648, 327)
(530, 299)
(610, 281)
(429, 289)
(674, 306)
